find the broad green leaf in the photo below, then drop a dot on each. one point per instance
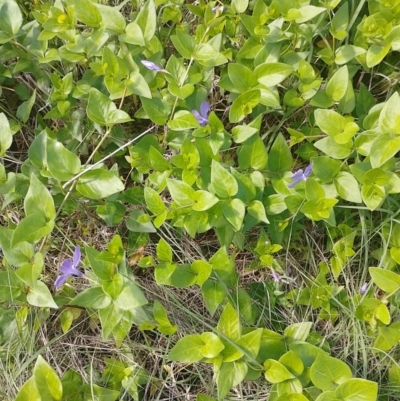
(47, 381)
(99, 184)
(386, 280)
(327, 372)
(130, 297)
(241, 133)
(222, 180)
(292, 362)
(239, 6)
(204, 200)
(241, 77)
(181, 92)
(10, 17)
(86, 12)
(29, 391)
(183, 276)
(94, 298)
(389, 118)
(183, 120)
(257, 210)
(347, 52)
(113, 20)
(111, 212)
(271, 74)
(230, 375)
(109, 318)
(137, 84)
(160, 314)
(347, 187)
(203, 271)
(275, 372)
(134, 225)
(280, 157)
(182, 193)
(296, 397)
(376, 53)
(6, 134)
(29, 273)
(213, 293)
(61, 162)
(253, 154)
(187, 349)
(31, 229)
(102, 269)
(207, 56)
(337, 85)
(229, 323)
(297, 331)
(357, 390)
(133, 35)
(156, 109)
(308, 12)
(153, 201)
(38, 200)
(114, 286)
(234, 211)
(372, 195)
(24, 110)
(212, 345)
(39, 295)
(243, 105)
(185, 44)
(164, 251)
(251, 342)
(147, 20)
(333, 149)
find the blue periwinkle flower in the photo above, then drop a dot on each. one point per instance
(276, 277)
(300, 176)
(363, 289)
(69, 268)
(151, 66)
(202, 117)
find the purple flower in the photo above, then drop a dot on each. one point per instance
(69, 268)
(275, 276)
(300, 176)
(218, 8)
(202, 117)
(151, 66)
(363, 289)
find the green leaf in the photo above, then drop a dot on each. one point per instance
(185, 44)
(275, 372)
(113, 20)
(230, 375)
(111, 212)
(29, 391)
(253, 154)
(204, 201)
(229, 323)
(31, 229)
(153, 201)
(130, 297)
(39, 295)
(24, 110)
(347, 187)
(29, 273)
(94, 298)
(207, 56)
(251, 342)
(114, 286)
(239, 7)
(327, 372)
(183, 120)
(187, 349)
(243, 105)
(86, 12)
(280, 157)
(347, 52)
(182, 193)
(156, 109)
(212, 345)
(133, 35)
(213, 293)
(109, 318)
(234, 211)
(389, 118)
(147, 20)
(137, 84)
(99, 184)
(38, 200)
(10, 17)
(337, 85)
(223, 182)
(372, 195)
(375, 54)
(241, 77)
(257, 210)
(357, 390)
(333, 149)
(6, 134)
(47, 381)
(297, 332)
(272, 74)
(241, 133)
(101, 110)
(386, 280)
(134, 225)
(164, 251)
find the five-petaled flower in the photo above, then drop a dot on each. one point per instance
(151, 66)
(300, 176)
(69, 268)
(202, 117)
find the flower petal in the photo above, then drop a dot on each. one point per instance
(60, 280)
(308, 170)
(67, 266)
(298, 175)
(151, 66)
(205, 109)
(77, 256)
(76, 272)
(202, 121)
(293, 184)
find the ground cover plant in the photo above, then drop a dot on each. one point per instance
(199, 201)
